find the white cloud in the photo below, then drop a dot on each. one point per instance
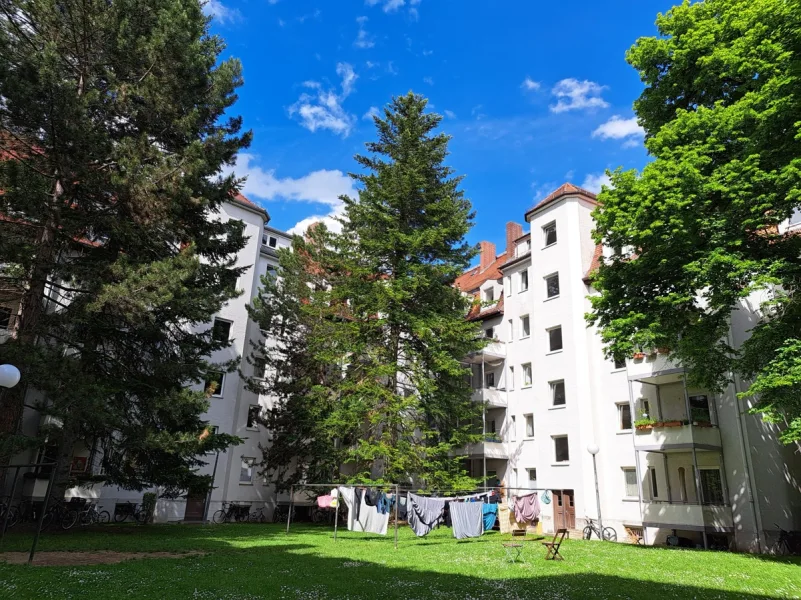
(323, 110)
(371, 112)
(363, 39)
(593, 182)
(618, 128)
(428, 80)
(217, 10)
(394, 5)
(272, 1)
(318, 187)
(530, 85)
(576, 95)
(449, 114)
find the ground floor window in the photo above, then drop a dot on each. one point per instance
(630, 481)
(561, 449)
(246, 470)
(712, 486)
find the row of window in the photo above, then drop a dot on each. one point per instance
(551, 285)
(710, 477)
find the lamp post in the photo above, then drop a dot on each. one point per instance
(9, 376)
(594, 449)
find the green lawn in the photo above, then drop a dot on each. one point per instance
(261, 561)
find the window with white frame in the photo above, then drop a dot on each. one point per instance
(624, 416)
(528, 245)
(532, 478)
(259, 367)
(272, 242)
(511, 383)
(555, 339)
(213, 385)
(630, 489)
(489, 380)
(529, 425)
(526, 374)
(620, 363)
(221, 330)
(489, 332)
(558, 396)
(561, 449)
(512, 428)
(246, 470)
(552, 286)
(523, 280)
(795, 217)
(525, 326)
(711, 485)
(511, 330)
(508, 285)
(549, 234)
(254, 410)
(489, 295)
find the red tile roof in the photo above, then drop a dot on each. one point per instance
(595, 263)
(566, 189)
(475, 277)
(242, 199)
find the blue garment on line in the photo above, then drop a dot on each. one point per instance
(490, 513)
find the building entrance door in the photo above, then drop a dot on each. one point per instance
(195, 506)
(564, 509)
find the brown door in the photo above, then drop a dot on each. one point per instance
(564, 509)
(195, 507)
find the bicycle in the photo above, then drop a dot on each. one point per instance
(128, 509)
(281, 512)
(789, 542)
(91, 516)
(231, 512)
(11, 512)
(257, 516)
(610, 535)
(60, 512)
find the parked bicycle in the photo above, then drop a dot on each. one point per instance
(281, 512)
(91, 516)
(789, 542)
(7, 511)
(231, 512)
(128, 510)
(257, 516)
(60, 513)
(610, 535)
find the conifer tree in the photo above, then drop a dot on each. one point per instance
(391, 327)
(113, 133)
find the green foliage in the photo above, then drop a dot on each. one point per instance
(113, 133)
(148, 507)
(370, 329)
(644, 422)
(696, 232)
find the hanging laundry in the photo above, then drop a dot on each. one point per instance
(324, 501)
(490, 512)
(403, 503)
(368, 519)
(527, 508)
(424, 513)
(468, 519)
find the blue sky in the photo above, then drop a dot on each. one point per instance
(533, 93)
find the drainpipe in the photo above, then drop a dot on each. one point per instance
(742, 435)
(483, 419)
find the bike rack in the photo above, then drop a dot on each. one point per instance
(45, 503)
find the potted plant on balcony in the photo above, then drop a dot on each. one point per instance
(638, 355)
(644, 422)
(673, 423)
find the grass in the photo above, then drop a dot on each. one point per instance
(245, 562)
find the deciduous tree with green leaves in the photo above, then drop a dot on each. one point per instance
(113, 135)
(700, 228)
(380, 392)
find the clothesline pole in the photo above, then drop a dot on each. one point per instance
(397, 503)
(336, 513)
(291, 506)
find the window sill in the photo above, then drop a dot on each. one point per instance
(554, 352)
(526, 387)
(550, 245)
(620, 370)
(558, 407)
(561, 464)
(551, 298)
(525, 337)
(252, 428)
(245, 483)
(522, 291)
(624, 432)
(215, 396)
(528, 439)
(628, 499)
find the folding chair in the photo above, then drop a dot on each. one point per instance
(553, 547)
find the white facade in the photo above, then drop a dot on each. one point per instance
(723, 481)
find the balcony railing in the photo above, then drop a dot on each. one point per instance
(663, 435)
(691, 516)
(491, 448)
(490, 396)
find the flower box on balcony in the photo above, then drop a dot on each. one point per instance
(638, 356)
(668, 424)
(663, 350)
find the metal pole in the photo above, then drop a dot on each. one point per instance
(336, 512)
(10, 500)
(598, 499)
(397, 502)
(42, 513)
(211, 488)
(291, 506)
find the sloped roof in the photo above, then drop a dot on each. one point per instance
(242, 200)
(595, 263)
(475, 277)
(566, 189)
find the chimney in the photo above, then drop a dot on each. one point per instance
(487, 254)
(513, 231)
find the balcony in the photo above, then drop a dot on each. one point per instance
(492, 397)
(494, 351)
(695, 517)
(491, 447)
(676, 435)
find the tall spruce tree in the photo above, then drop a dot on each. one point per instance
(385, 329)
(113, 134)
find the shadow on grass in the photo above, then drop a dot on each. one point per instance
(249, 562)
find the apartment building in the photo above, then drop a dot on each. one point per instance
(232, 408)
(705, 471)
